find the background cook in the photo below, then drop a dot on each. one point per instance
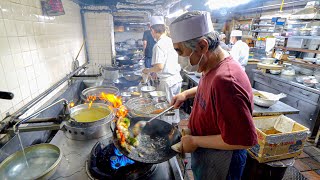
(165, 64)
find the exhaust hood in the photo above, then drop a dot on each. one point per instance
(311, 11)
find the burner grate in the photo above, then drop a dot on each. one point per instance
(107, 162)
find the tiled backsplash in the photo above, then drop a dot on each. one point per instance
(100, 39)
(35, 51)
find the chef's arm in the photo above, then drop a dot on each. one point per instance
(190, 93)
(144, 45)
(155, 68)
(216, 142)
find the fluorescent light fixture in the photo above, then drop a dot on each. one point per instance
(218, 4)
(187, 7)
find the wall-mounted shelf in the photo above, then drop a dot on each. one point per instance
(299, 49)
(304, 37)
(263, 25)
(263, 31)
(304, 64)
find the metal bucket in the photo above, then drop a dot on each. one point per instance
(88, 130)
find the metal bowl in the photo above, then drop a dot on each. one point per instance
(93, 82)
(158, 96)
(43, 160)
(134, 89)
(147, 88)
(125, 96)
(96, 91)
(132, 77)
(146, 91)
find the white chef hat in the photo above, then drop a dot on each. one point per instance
(191, 28)
(156, 20)
(236, 33)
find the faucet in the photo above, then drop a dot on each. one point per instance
(65, 113)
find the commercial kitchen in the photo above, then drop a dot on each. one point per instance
(159, 89)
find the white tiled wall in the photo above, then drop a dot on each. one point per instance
(35, 51)
(100, 39)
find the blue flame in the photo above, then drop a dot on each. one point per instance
(119, 160)
(117, 152)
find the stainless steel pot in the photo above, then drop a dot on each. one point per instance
(89, 130)
(109, 73)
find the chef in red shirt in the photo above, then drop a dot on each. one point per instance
(221, 119)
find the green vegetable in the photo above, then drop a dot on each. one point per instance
(133, 141)
(126, 121)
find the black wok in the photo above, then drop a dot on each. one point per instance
(156, 139)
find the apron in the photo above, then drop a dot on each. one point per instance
(172, 86)
(212, 164)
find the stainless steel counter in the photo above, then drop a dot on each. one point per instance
(76, 153)
(289, 80)
(277, 109)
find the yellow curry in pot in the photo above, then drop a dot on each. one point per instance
(90, 115)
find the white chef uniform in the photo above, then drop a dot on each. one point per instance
(240, 50)
(170, 78)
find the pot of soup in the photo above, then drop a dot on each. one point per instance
(88, 121)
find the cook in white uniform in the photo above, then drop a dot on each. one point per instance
(240, 50)
(165, 63)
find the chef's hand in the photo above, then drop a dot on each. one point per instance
(178, 100)
(145, 71)
(188, 144)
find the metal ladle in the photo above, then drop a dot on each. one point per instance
(142, 124)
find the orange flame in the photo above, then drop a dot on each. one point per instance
(116, 103)
(114, 100)
(122, 111)
(71, 105)
(91, 99)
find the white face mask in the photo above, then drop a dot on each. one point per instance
(194, 68)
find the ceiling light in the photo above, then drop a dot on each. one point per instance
(218, 4)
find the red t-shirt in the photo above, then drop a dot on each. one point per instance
(224, 104)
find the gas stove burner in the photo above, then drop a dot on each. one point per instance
(107, 162)
(119, 160)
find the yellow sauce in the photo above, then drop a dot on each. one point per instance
(90, 115)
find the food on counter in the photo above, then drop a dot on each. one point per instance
(135, 93)
(90, 115)
(271, 131)
(310, 82)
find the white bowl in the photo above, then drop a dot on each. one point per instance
(268, 60)
(263, 102)
(275, 72)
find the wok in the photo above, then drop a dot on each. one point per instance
(156, 139)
